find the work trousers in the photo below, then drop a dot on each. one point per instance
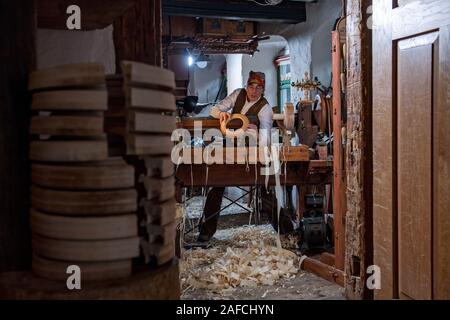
(269, 209)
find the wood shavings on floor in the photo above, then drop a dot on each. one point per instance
(240, 257)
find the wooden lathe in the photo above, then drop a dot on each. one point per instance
(296, 168)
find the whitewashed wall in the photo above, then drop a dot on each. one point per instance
(205, 83)
(263, 61)
(310, 41)
(56, 47)
(234, 72)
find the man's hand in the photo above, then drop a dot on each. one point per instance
(224, 116)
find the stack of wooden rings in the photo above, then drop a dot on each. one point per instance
(140, 112)
(83, 203)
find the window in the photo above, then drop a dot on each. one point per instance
(284, 81)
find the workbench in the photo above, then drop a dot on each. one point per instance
(296, 168)
(298, 173)
(228, 175)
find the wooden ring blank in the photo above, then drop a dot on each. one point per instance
(86, 150)
(70, 100)
(83, 228)
(96, 176)
(84, 203)
(90, 271)
(69, 75)
(238, 132)
(87, 251)
(67, 125)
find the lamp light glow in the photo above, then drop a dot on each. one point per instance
(202, 64)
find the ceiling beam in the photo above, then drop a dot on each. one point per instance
(286, 12)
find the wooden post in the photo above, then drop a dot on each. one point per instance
(17, 51)
(137, 34)
(359, 247)
(339, 178)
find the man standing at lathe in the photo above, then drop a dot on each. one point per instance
(248, 101)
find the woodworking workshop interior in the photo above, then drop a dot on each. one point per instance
(225, 150)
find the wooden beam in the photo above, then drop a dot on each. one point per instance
(441, 178)
(218, 175)
(328, 259)
(384, 215)
(17, 49)
(95, 14)
(158, 32)
(339, 179)
(359, 248)
(137, 34)
(323, 270)
(285, 12)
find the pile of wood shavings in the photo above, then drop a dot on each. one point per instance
(248, 258)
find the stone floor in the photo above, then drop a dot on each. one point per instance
(305, 286)
(302, 286)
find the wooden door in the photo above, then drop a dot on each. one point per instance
(411, 130)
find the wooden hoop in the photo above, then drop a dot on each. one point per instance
(236, 133)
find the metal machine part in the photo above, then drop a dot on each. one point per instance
(313, 228)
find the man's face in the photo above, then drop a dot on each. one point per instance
(254, 92)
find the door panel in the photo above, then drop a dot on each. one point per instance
(414, 164)
(411, 135)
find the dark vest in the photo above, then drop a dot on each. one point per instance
(254, 109)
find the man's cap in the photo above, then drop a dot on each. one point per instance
(257, 77)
